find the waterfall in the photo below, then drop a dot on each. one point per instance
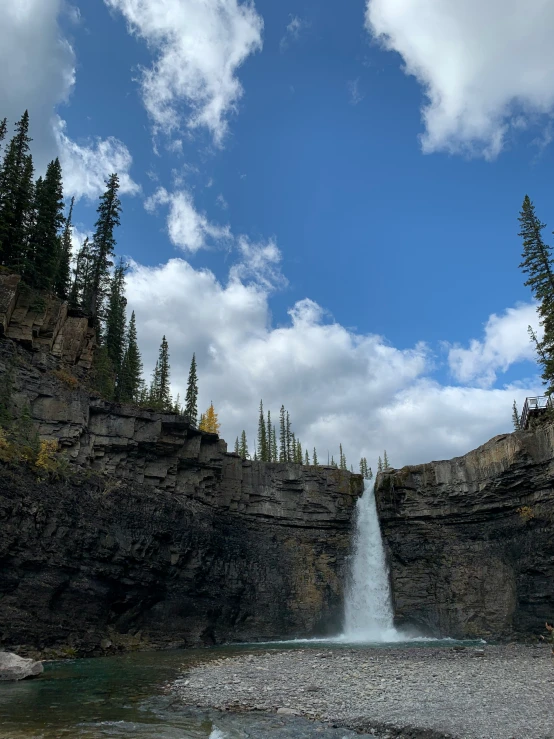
(368, 604)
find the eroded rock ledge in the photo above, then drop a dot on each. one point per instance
(159, 536)
(471, 540)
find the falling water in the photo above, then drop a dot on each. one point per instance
(368, 605)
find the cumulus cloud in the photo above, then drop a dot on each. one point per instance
(39, 68)
(187, 228)
(199, 46)
(506, 341)
(485, 67)
(340, 386)
(86, 167)
(292, 32)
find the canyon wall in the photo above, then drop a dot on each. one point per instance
(470, 541)
(156, 536)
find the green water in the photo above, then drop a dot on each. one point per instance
(128, 696)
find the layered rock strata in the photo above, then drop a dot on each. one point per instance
(470, 540)
(159, 536)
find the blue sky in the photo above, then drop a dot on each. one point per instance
(360, 164)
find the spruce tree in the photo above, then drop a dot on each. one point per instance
(314, 458)
(102, 248)
(342, 459)
(44, 246)
(299, 457)
(16, 197)
(243, 445)
(379, 465)
(237, 447)
(275, 454)
(191, 397)
(164, 395)
(103, 375)
(292, 447)
(269, 441)
(115, 318)
(386, 464)
(282, 435)
(154, 393)
(288, 438)
(537, 264)
(262, 436)
(177, 404)
(130, 382)
(516, 420)
(81, 277)
(63, 274)
(306, 458)
(3, 129)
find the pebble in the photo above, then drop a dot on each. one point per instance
(401, 692)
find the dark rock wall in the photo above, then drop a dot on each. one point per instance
(470, 540)
(159, 536)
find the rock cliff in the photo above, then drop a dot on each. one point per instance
(158, 536)
(470, 540)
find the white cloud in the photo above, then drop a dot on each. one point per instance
(85, 168)
(506, 342)
(356, 95)
(485, 67)
(199, 47)
(187, 228)
(340, 386)
(292, 32)
(259, 263)
(38, 66)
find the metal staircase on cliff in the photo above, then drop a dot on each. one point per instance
(534, 407)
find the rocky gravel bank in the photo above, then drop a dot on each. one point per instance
(494, 692)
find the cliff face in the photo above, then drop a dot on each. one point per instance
(471, 540)
(158, 535)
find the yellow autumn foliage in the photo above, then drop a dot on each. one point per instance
(209, 421)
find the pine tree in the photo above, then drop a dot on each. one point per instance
(243, 445)
(292, 448)
(103, 375)
(130, 382)
(379, 465)
(154, 392)
(164, 394)
(370, 474)
(16, 197)
(299, 457)
(333, 463)
(537, 264)
(262, 436)
(288, 438)
(386, 464)
(269, 441)
(274, 454)
(515, 418)
(362, 467)
(63, 274)
(44, 247)
(314, 458)
(201, 422)
(177, 404)
(115, 318)
(102, 248)
(282, 435)
(306, 458)
(81, 277)
(209, 422)
(342, 459)
(237, 447)
(3, 129)
(191, 397)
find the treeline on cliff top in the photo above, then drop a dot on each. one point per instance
(36, 243)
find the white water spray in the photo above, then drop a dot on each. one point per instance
(368, 604)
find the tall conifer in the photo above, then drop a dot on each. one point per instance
(130, 382)
(282, 435)
(63, 274)
(115, 318)
(102, 248)
(191, 397)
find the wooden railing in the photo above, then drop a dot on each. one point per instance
(533, 407)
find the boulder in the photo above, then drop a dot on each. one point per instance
(13, 667)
